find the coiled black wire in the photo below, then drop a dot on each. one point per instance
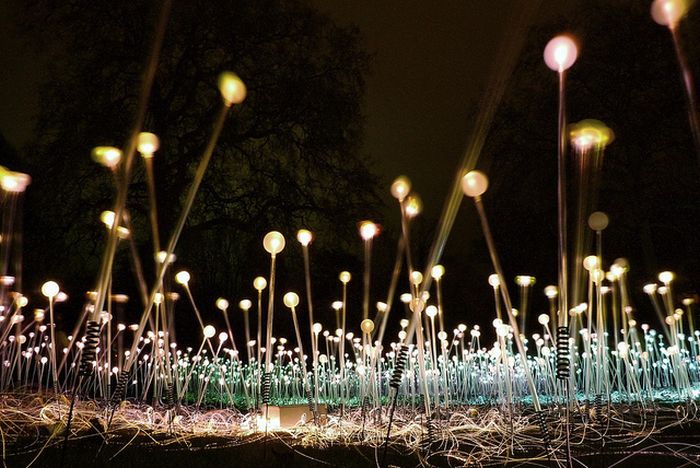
(89, 352)
(170, 398)
(120, 389)
(399, 367)
(563, 361)
(598, 407)
(266, 388)
(541, 421)
(430, 435)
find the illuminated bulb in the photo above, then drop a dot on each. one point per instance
(222, 304)
(494, 280)
(232, 88)
(404, 323)
(405, 298)
(223, 336)
(368, 230)
(662, 290)
(50, 289)
(590, 133)
(431, 311)
(668, 12)
(345, 277)
(666, 277)
(245, 304)
(400, 188)
(209, 331)
(560, 53)
(474, 184)
(38, 315)
(461, 327)
(551, 291)
(598, 221)
(381, 307)
(437, 272)
(182, 277)
(317, 327)
(416, 277)
(22, 301)
(414, 206)
(14, 182)
(543, 319)
(304, 236)
(367, 326)
(688, 301)
(291, 300)
(524, 281)
(162, 255)
(259, 283)
(273, 242)
(597, 275)
(107, 218)
(590, 263)
(108, 156)
(337, 305)
(147, 144)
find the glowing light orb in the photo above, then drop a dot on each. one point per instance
(666, 277)
(437, 272)
(524, 280)
(400, 188)
(273, 242)
(182, 277)
(108, 156)
(259, 283)
(368, 230)
(147, 144)
(14, 182)
(232, 88)
(367, 326)
(669, 12)
(551, 291)
(590, 133)
(345, 277)
(416, 278)
(591, 262)
(337, 305)
(494, 280)
(474, 184)
(560, 53)
(304, 236)
(543, 319)
(222, 304)
(316, 328)
(50, 289)
(405, 298)
(245, 304)
(414, 206)
(209, 331)
(431, 311)
(291, 299)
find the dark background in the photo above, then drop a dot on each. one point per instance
(427, 65)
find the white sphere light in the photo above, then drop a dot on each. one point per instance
(304, 236)
(209, 331)
(368, 230)
(474, 184)
(273, 242)
(437, 272)
(668, 12)
(222, 304)
(232, 88)
(182, 277)
(50, 289)
(147, 144)
(245, 304)
(291, 300)
(431, 311)
(259, 283)
(345, 277)
(560, 53)
(494, 280)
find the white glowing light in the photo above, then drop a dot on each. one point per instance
(474, 184)
(50, 289)
(560, 53)
(273, 242)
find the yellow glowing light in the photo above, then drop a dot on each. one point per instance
(560, 53)
(245, 304)
(367, 326)
(222, 304)
(474, 184)
(38, 315)
(590, 263)
(259, 283)
(437, 272)
(147, 144)
(669, 12)
(345, 277)
(14, 182)
(22, 301)
(107, 218)
(232, 88)
(304, 236)
(273, 242)
(368, 230)
(414, 206)
(50, 289)
(182, 277)
(291, 299)
(108, 156)
(400, 188)
(590, 133)
(524, 280)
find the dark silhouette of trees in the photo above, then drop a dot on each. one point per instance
(288, 156)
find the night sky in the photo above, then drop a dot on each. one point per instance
(430, 66)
